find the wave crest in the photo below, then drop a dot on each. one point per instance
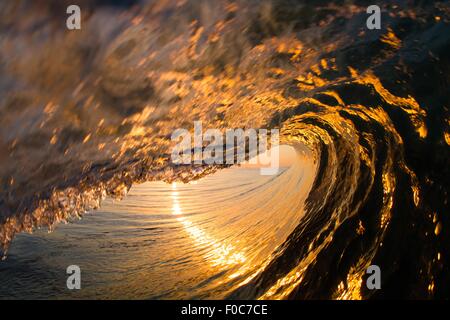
(84, 117)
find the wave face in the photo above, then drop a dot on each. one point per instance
(165, 241)
(86, 114)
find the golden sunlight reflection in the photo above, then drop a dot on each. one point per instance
(205, 238)
(220, 254)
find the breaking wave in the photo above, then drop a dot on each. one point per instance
(86, 114)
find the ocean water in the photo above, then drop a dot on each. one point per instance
(88, 114)
(164, 241)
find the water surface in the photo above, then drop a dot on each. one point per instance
(164, 241)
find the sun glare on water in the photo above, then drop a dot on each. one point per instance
(220, 254)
